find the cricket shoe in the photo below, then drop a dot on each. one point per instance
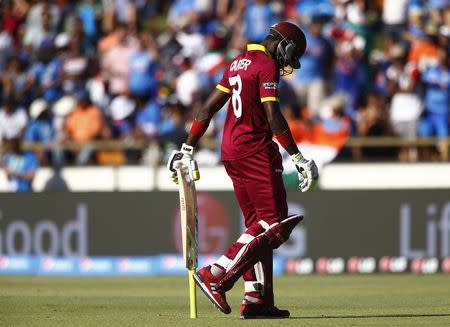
(207, 282)
(261, 311)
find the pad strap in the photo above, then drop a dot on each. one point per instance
(253, 286)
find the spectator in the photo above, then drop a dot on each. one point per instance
(143, 67)
(121, 11)
(189, 55)
(192, 44)
(122, 109)
(87, 41)
(19, 167)
(333, 128)
(11, 19)
(395, 18)
(40, 129)
(437, 98)
(405, 111)
(183, 13)
(60, 110)
(372, 117)
(35, 16)
(172, 127)
(115, 63)
(6, 47)
(16, 80)
(111, 39)
(87, 20)
(348, 73)
(423, 52)
(381, 60)
(51, 76)
(74, 68)
(399, 73)
(12, 119)
(148, 118)
(188, 83)
(84, 124)
(41, 67)
(35, 37)
(373, 120)
(310, 81)
(258, 17)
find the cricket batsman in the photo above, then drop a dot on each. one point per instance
(253, 162)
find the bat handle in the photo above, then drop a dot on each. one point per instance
(195, 171)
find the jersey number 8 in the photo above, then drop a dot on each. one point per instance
(236, 100)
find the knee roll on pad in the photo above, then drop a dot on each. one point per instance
(274, 235)
(280, 232)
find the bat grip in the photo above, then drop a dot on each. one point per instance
(195, 171)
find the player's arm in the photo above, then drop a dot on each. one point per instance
(215, 101)
(307, 169)
(280, 127)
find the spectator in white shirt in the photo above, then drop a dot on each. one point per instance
(12, 120)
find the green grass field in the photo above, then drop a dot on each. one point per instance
(346, 300)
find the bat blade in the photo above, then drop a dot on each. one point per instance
(188, 211)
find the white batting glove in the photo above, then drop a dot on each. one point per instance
(183, 157)
(308, 173)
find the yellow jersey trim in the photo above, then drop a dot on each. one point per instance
(223, 88)
(258, 47)
(266, 99)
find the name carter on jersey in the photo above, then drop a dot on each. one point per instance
(240, 64)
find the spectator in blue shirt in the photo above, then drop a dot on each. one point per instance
(310, 80)
(51, 80)
(348, 75)
(148, 118)
(182, 13)
(86, 12)
(143, 68)
(44, 72)
(19, 167)
(258, 17)
(437, 99)
(40, 130)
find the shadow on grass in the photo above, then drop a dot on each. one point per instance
(393, 315)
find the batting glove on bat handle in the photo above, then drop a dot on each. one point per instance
(183, 156)
(308, 173)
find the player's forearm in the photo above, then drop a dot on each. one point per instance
(287, 142)
(280, 129)
(203, 117)
(199, 126)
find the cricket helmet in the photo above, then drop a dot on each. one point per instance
(291, 47)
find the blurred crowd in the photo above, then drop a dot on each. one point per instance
(137, 70)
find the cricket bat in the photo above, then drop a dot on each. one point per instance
(188, 210)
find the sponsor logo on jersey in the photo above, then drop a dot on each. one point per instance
(240, 64)
(270, 85)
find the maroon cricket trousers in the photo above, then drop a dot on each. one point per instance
(261, 194)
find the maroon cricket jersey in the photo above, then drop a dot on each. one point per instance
(251, 79)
